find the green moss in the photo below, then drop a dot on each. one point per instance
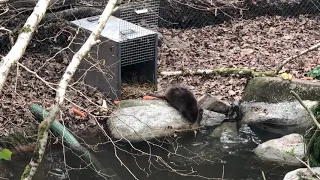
(26, 172)
(290, 152)
(242, 71)
(44, 125)
(263, 73)
(275, 89)
(42, 128)
(26, 28)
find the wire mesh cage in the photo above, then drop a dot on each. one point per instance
(122, 57)
(137, 16)
(144, 13)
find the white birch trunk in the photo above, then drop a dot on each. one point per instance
(42, 140)
(23, 40)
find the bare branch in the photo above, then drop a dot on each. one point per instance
(263, 176)
(296, 56)
(10, 35)
(308, 110)
(6, 10)
(309, 168)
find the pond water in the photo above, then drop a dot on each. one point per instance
(231, 158)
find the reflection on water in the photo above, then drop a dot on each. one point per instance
(230, 157)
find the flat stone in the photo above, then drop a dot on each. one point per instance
(281, 150)
(139, 120)
(283, 113)
(303, 173)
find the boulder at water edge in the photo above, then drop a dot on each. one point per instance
(281, 150)
(269, 106)
(303, 173)
(276, 89)
(291, 116)
(138, 120)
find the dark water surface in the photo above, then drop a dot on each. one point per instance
(231, 157)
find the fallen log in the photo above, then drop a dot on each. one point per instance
(219, 71)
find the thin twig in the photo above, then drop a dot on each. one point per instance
(222, 172)
(296, 56)
(263, 176)
(7, 9)
(309, 111)
(10, 35)
(312, 117)
(186, 130)
(309, 168)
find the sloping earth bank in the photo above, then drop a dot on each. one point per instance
(258, 44)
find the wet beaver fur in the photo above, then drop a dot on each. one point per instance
(182, 99)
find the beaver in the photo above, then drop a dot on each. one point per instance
(182, 99)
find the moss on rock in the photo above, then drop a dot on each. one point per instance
(276, 89)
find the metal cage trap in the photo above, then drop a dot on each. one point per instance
(127, 47)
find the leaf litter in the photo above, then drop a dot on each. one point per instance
(258, 44)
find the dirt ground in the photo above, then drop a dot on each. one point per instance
(258, 44)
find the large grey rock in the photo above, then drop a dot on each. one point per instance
(138, 120)
(275, 89)
(303, 173)
(284, 113)
(281, 150)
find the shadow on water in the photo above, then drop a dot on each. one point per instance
(209, 156)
